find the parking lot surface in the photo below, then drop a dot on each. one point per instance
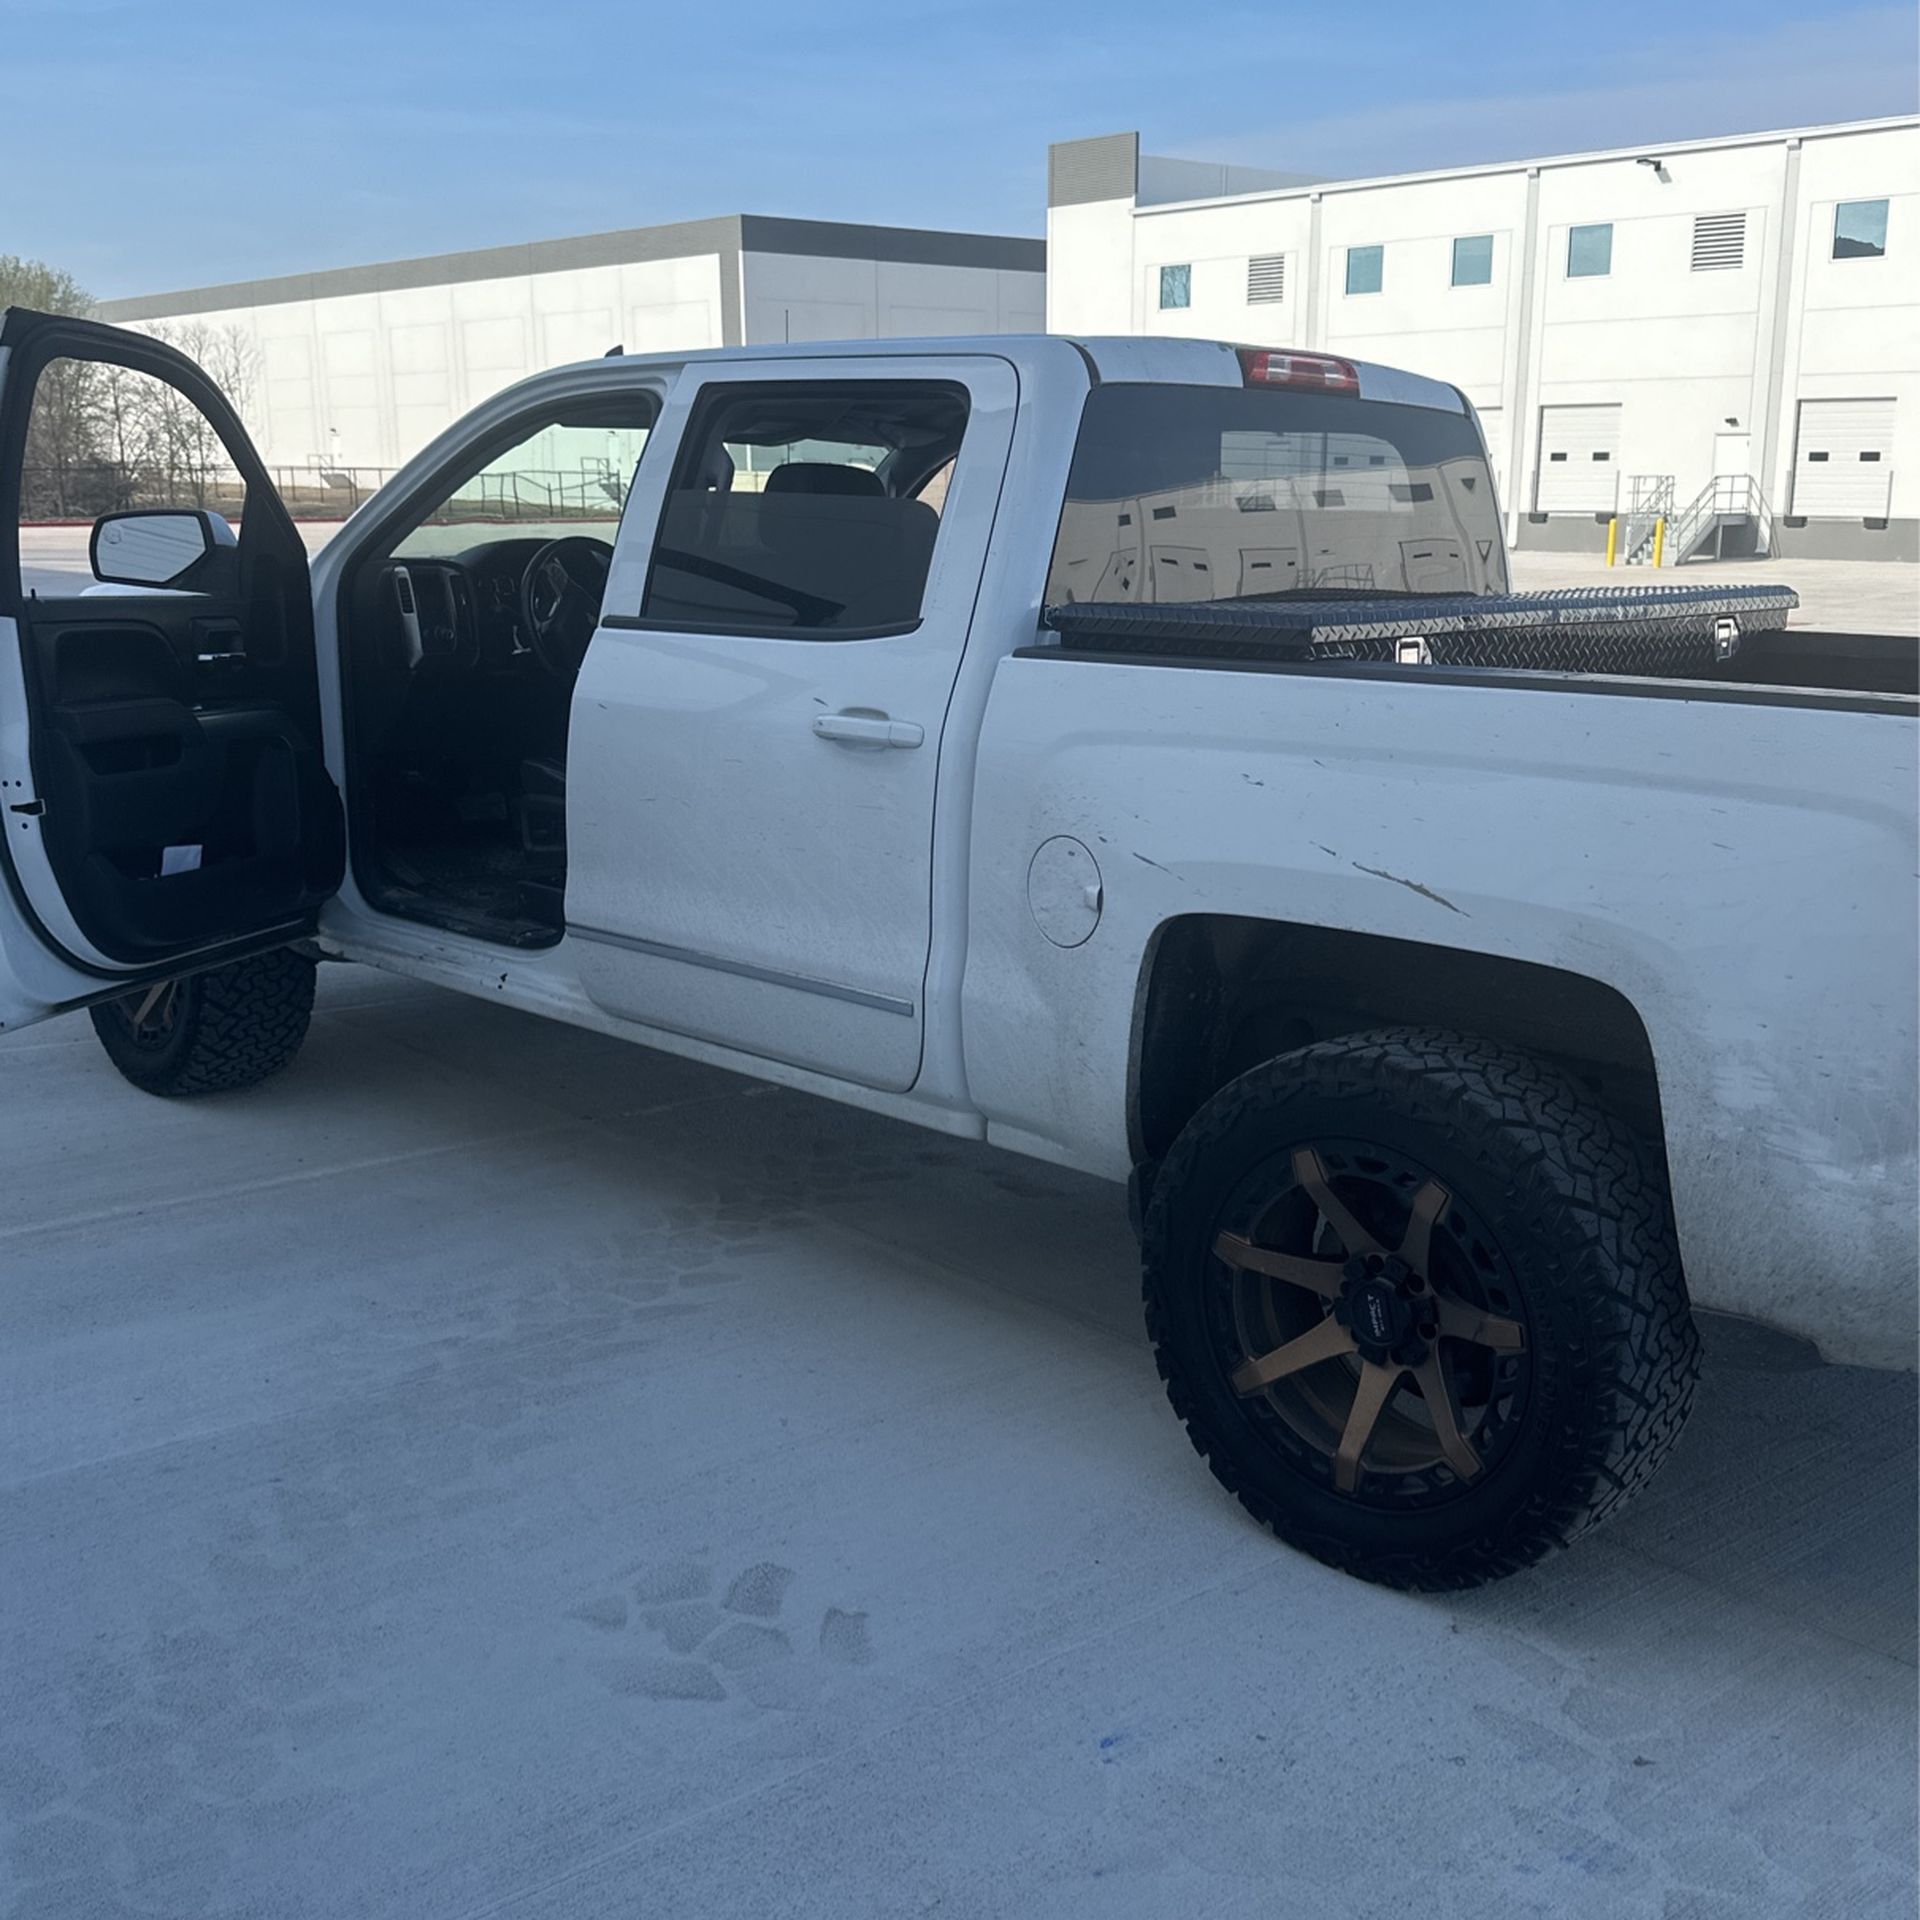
(492, 1470)
(1839, 596)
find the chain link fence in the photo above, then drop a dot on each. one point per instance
(81, 491)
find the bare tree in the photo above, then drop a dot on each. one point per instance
(231, 358)
(192, 452)
(59, 450)
(127, 430)
(61, 471)
(102, 437)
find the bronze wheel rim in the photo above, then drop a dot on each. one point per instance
(149, 1014)
(1369, 1325)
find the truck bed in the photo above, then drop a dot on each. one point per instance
(1707, 633)
(1735, 863)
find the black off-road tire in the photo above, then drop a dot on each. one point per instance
(1580, 1212)
(228, 1028)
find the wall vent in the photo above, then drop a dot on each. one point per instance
(1266, 279)
(1719, 240)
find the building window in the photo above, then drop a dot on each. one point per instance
(1364, 269)
(1176, 287)
(1590, 252)
(1860, 230)
(1473, 261)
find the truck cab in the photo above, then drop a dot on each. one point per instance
(650, 660)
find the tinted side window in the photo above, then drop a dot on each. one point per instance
(793, 511)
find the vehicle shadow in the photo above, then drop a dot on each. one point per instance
(1794, 1489)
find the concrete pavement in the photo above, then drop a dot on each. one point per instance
(495, 1471)
(1839, 596)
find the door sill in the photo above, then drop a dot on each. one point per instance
(518, 936)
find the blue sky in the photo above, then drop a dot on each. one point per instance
(173, 142)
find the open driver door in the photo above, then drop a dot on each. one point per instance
(165, 799)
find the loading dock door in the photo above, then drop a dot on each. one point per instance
(1843, 459)
(1579, 469)
(1493, 429)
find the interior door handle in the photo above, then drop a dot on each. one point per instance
(219, 643)
(868, 730)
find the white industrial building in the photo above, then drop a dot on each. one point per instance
(356, 368)
(1744, 310)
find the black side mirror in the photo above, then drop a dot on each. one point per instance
(156, 546)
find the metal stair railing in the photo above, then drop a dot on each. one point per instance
(1729, 499)
(1696, 519)
(1649, 501)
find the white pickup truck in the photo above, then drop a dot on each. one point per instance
(1126, 752)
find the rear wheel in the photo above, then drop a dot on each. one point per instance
(211, 1032)
(1418, 1302)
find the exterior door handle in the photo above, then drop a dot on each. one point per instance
(859, 729)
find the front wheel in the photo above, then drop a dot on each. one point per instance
(1418, 1302)
(211, 1032)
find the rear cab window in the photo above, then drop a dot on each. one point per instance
(1184, 493)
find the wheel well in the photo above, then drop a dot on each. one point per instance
(1222, 993)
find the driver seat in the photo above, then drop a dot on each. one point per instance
(543, 806)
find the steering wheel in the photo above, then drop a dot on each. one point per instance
(560, 595)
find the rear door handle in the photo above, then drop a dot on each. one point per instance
(868, 730)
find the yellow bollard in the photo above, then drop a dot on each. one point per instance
(1613, 537)
(1659, 539)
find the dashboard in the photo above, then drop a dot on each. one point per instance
(459, 611)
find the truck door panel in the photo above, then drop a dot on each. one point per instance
(167, 792)
(133, 758)
(755, 750)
